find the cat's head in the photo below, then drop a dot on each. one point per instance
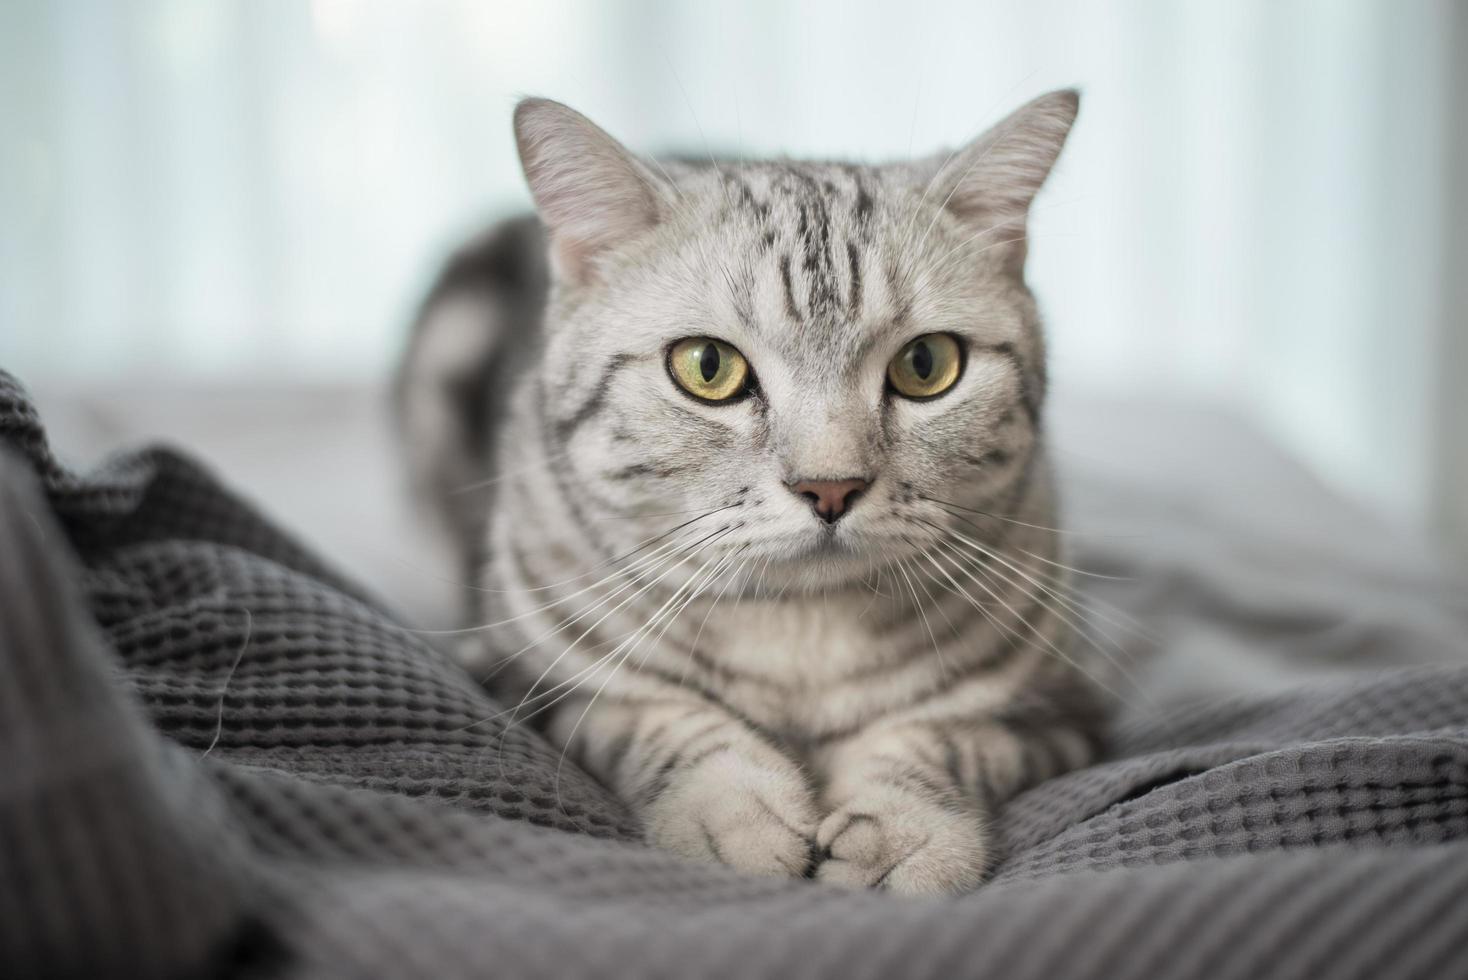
(825, 359)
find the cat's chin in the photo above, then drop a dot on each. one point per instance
(822, 563)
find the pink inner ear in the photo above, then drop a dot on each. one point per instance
(591, 193)
(587, 219)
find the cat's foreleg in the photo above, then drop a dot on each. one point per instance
(908, 803)
(706, 785)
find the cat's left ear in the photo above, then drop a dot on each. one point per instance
(592, 194)
(990, 183)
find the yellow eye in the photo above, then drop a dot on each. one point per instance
(926, 367)
(708, 369)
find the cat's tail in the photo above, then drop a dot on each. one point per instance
(473, 331)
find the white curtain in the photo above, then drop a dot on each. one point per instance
(1251, 211)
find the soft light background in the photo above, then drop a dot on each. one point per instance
(1256, 209)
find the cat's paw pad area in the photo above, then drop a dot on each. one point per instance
(752, 815)
(917, 848)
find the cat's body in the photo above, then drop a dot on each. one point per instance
(810, 623)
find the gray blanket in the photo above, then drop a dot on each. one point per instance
(219, 756)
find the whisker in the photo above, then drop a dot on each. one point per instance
(411, 566)
(963, 177)
(1011, 223)
(1087, 616)
(969, 241)
(625, 555)
(1061, 613)
(540, 461)
(642, 561)
(876, 593)
(638, 517)
(531, 697)
(923, 578)
(636, 638)
(908, 238)
(575, 681)
(1123, 619)
(708, 150)
(1078, 571)
(1001, 517)
(640, 592)
(928, 187)
(712, 606)
(942, 665)
(1135, 627)
(633, 578)
(1067, 605)
(1034, 633)
(956, 588)
(650, 558)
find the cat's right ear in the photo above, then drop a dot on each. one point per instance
(591, 192)
(990, 183)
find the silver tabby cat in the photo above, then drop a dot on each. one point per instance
(746, 461)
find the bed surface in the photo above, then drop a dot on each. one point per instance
(1285, 795)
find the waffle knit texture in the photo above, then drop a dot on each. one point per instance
(220, 757)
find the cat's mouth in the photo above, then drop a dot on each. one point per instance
(825, 557)
(825, 543)
(809, 552)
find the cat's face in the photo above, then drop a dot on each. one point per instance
(807, 361)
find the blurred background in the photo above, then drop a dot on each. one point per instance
(1262, 210)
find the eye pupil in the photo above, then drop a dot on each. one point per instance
(922, 360)
(708, 362)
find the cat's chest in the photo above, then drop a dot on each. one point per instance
(801, 668)
(810, 642)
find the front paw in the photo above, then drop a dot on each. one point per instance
(754, 814)
(904, 844)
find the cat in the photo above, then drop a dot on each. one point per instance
(745, 461)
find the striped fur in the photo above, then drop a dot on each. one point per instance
(771, 692)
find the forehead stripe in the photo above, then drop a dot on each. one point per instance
(853, 303)
(790, 308)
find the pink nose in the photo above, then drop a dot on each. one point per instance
(830, 498)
